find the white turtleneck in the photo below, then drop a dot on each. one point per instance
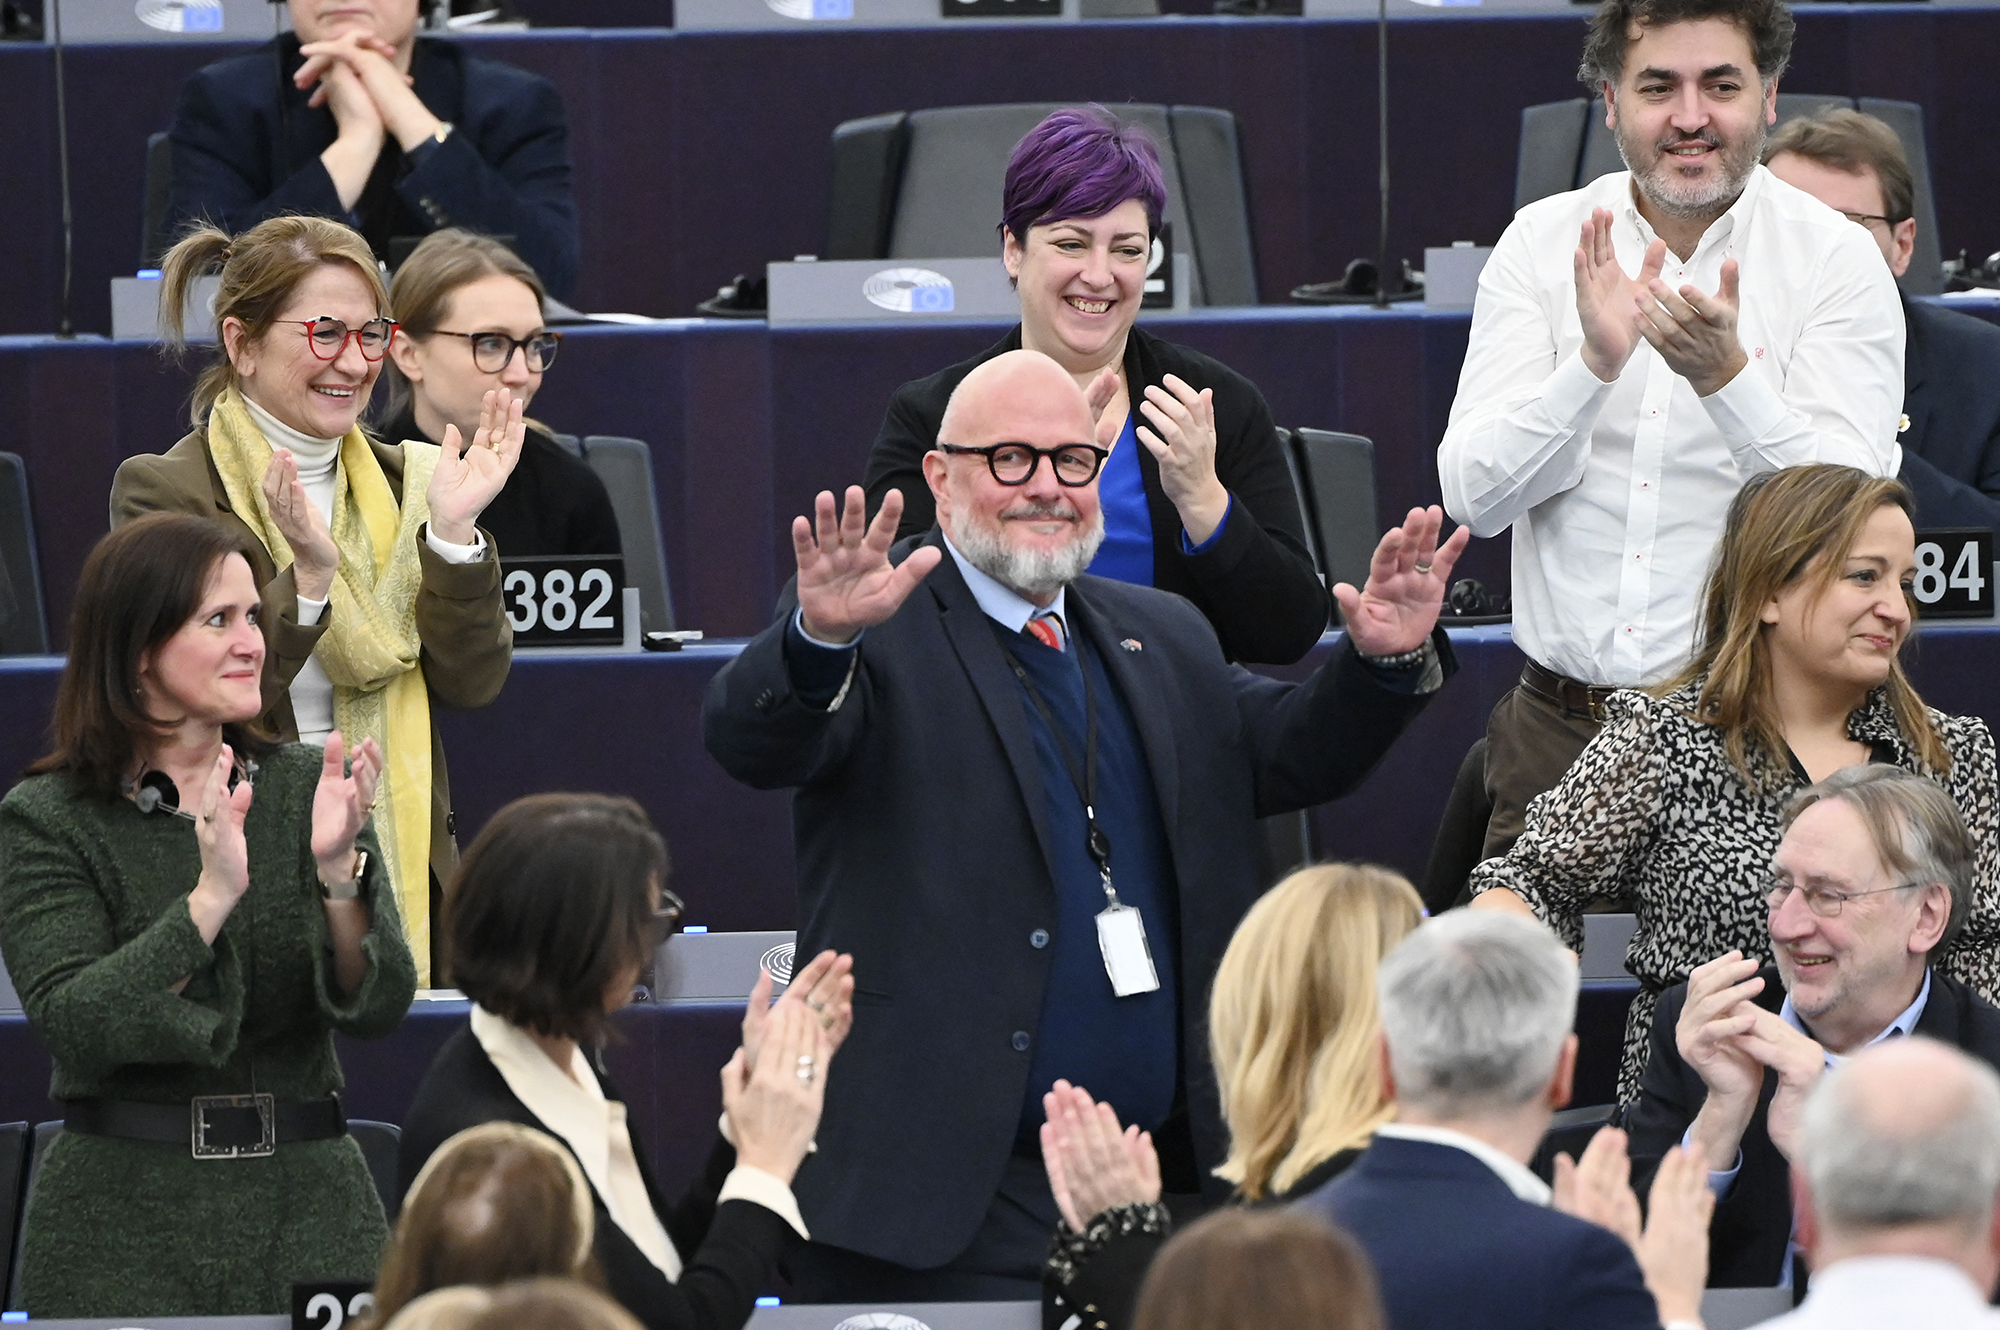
(312, 691)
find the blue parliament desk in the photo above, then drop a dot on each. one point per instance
(700, 155)
(747, 422)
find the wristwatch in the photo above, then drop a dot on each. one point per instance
(348, 890)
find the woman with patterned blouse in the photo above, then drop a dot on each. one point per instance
(1674, 807)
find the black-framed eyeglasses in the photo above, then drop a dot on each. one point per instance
(666, 920)
(1863, 218)
(1825, 901)
(492, 350)
(1075, 464)
(328, 337)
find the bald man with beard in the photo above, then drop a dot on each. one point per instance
(1026, 801)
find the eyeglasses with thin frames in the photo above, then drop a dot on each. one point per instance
(1074, 464)
(1825, 901)
(491, 351)
(1863, 218)
(666, 920)
(328, 337)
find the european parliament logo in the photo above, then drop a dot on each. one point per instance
(180, 15)
(909, 291)
(813, 9)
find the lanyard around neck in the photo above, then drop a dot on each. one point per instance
(1082, 775)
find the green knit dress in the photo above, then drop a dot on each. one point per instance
(95, 929)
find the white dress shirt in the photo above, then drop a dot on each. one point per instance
(312, 691)
(573, 1106)
(1890, 1293)
(1638, 474)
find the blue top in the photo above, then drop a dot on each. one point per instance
(1127, 552)
(1124, 1050)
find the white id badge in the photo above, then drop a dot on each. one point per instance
(1121, 936)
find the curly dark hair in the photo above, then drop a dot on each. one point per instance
(1767, 23)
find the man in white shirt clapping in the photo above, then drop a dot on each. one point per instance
(1901, 1154)
(1639, 348)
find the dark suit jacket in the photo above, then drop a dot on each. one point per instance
(246, 147)
(1752, 1227)
(1257, 585)
(923, 850)
(729, 1252)
(1951, 393)
(1453, 1247)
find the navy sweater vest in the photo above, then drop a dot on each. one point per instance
(1125, 1051)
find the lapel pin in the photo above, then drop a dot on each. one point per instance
(1131, 644)
(1903, 425)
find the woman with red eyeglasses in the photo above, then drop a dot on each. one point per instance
(380, 594)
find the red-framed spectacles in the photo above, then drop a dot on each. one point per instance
(328, 337)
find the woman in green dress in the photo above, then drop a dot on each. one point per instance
(189, 912)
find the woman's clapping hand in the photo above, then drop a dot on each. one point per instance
(1093, 1165)
(774, 1103)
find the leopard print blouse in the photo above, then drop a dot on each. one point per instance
(1654, 813)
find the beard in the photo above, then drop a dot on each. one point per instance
(1034, 573)
(1652, 168)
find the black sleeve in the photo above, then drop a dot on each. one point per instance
(506, 174)
(1944, 500)
(896, 462)
(1667, 1104)
(1256, 581)
(592, 527)
(216, 175)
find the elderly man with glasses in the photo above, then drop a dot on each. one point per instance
(1875, 873)
(1027, 803)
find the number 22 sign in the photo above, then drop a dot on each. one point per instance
(1954, 573)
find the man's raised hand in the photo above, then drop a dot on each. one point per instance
(1607, 301)
(846, 582)
(1399, 606)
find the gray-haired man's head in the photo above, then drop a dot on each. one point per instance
(1907, 1134)
(1476, 1009)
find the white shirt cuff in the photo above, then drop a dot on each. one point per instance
(451, 553)
(309, 611)
(745, 1183)
(799, 622)
(1572, 389)
(1744, 410)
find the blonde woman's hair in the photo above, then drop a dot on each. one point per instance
(1784, 528)
(442, 262)
(1293, 1020)
(453, 1308)
(260, 270)
(497, 1202)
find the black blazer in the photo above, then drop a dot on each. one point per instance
(1752, 1227)
(246, 147)
(920, 826)
(1256, 586)
(1453, 1247)
(1951, 393)
(729, 1252)
(552, 504)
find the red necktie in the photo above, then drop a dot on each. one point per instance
(1047, 630)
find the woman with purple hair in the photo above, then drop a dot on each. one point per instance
(1196, 495)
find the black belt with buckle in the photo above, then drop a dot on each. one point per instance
(217, 1126)
(1574, 697)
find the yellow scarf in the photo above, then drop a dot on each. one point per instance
(370, 649)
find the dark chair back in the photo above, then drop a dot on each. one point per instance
(1461, 833)
(13, 1165)
(24, 625)
(44, 1134)
(1336, 477)
(927, 185)
(154, 234)
(1566, 145)
(626, 468)
(379, 1142)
